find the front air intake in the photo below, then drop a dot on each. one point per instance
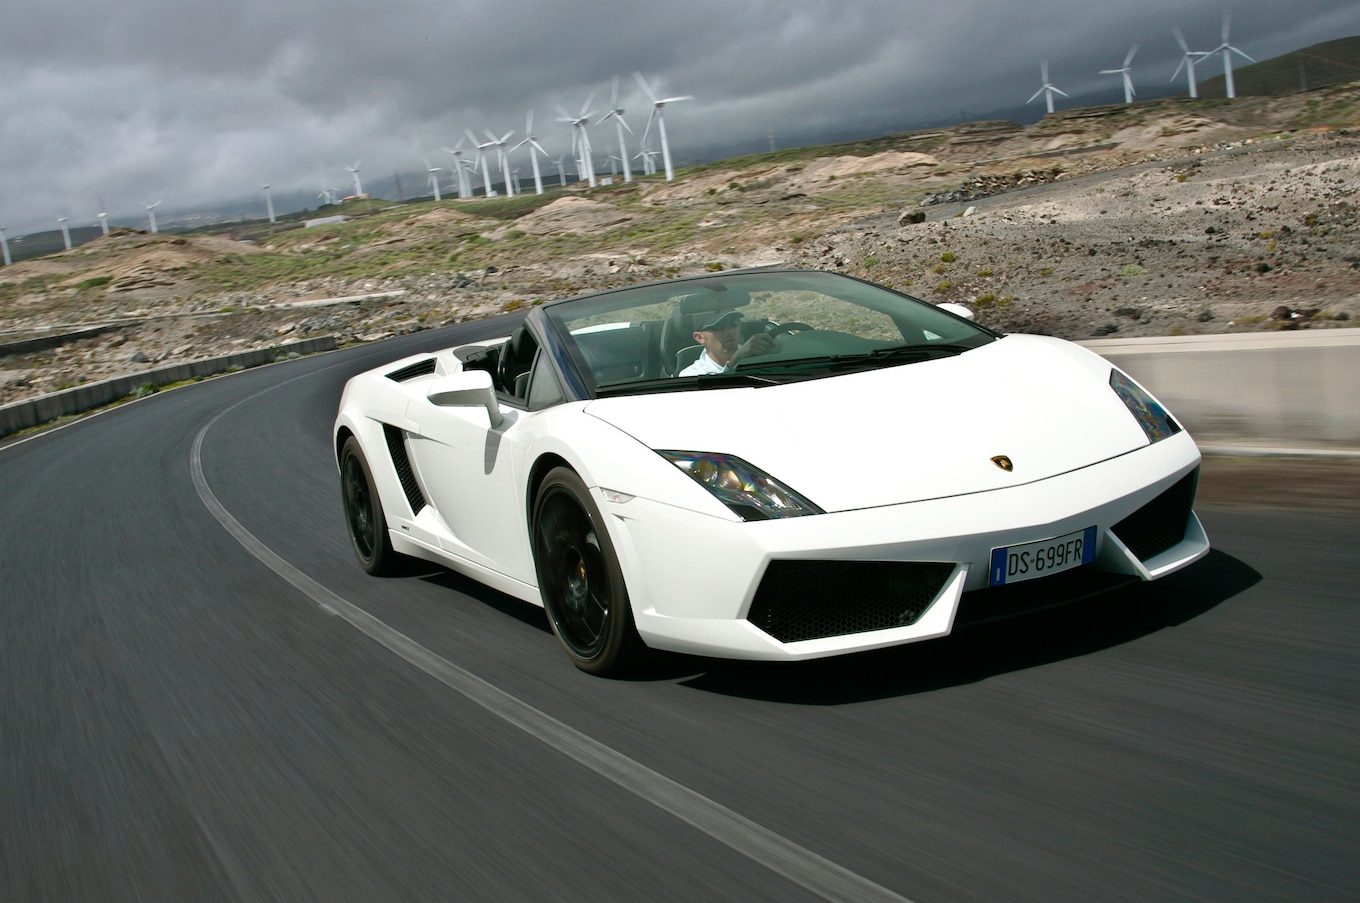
(1161, 523)
(809, 600)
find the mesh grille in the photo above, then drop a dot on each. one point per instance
(808, 600)
(397, 448)
(1161, 523)
(411, 371)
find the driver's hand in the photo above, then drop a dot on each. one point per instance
(756, 345)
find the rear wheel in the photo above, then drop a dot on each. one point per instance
(364, 514)
(579, 577)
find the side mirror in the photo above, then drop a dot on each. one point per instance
(466, 389)
(957, 310)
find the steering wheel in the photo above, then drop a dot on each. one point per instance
(774, 330)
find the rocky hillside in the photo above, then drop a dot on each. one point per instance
(1161, 218)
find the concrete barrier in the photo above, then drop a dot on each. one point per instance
(32, 412)
(1300, 389)
(1295, 389)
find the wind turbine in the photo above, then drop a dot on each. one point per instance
(103, 218)
(534, 149)
(1046, 88)
(354, 173)
(65, 232)
(329, 196)
(1128, 80)
(561, 171)
(464, 188)
(503, 158)
(580, 140)
(658, 108)
(1187, 61)
(268, 202)
(151, 214)
(434, 172)
(616, 113)
(481, 159)
(4, 247)
(1228, 50)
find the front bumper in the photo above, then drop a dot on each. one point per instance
(693, 578)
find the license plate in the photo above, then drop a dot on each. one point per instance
(1012, 564)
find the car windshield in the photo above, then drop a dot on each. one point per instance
(820, 324)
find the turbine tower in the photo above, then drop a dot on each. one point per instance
(151, 214)
(616, 113)
(534, 150)
(1228, 50)
(464, 185)
(503, 158)
(658, 108)
(65, 232)
(1128, 80)
(434, 172)
(103, 217)
(580, 140)
(268, 203)
(1188, 60)
(4, 247)
(481, 160)
(354, 173)
(561, 171)
(1046, 88)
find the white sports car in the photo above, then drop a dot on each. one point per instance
(767, 464)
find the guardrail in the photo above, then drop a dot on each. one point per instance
(32, 412)
(1297, 389)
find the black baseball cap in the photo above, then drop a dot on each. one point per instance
(721, 319)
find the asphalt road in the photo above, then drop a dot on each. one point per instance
(184, 716)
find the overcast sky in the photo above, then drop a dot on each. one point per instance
(200, 102)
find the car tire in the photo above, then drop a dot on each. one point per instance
(364, 513)
(579, 577)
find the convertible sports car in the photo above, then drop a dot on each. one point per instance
(869, 469)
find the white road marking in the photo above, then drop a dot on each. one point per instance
(768, 848)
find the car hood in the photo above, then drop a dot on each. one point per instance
(905, 433)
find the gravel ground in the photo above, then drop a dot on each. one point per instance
(1149, 221)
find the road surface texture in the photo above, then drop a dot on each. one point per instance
(203, 697)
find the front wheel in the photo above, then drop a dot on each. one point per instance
(579, 577)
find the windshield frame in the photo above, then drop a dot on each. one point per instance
(904, 310)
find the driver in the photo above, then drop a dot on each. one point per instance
(721, 338)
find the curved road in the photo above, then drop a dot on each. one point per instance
(203, 697)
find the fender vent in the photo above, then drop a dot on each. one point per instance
(397, 448)
(1161, 523)
(411, 371)
(808, 600)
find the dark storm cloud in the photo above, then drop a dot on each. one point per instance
(199, 102)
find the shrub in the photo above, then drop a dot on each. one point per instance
(948, 257)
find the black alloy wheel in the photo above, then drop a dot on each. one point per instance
(363, 512)
(579, 577)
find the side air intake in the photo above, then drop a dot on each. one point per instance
(405, 473)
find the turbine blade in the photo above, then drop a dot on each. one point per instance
(1227, 20)
(614, 95)
(1179, 67)
(586, 106)
(646, 88)
(1180, 38)
(1035, 96)
(1129, 59)
(628, 128)
(676, 99)
(1059, 91)
(1240, 53)
(1043, 69)
(529, 123)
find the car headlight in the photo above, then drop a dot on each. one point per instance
(1156, 422)
(749, 491)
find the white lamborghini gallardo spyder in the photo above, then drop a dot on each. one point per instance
(766, 464)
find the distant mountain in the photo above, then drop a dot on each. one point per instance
(1330, 63)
